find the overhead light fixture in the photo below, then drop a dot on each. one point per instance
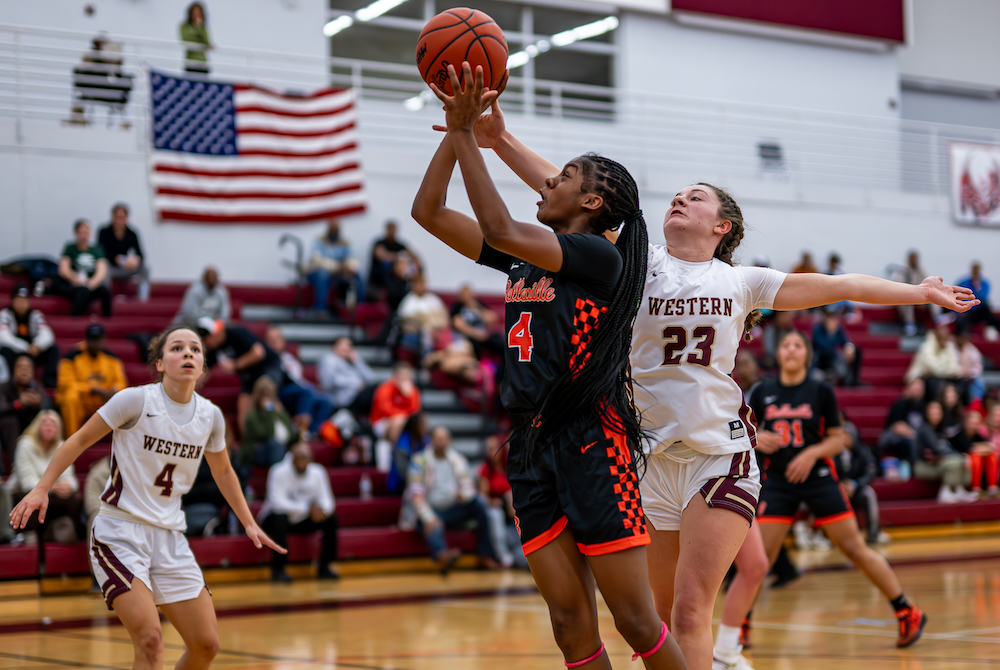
(374, 10)
(585, 32)
(418, 102)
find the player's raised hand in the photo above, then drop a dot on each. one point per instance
(489, 127)
(464, 108)
(36, 499)
(260, 539)
(955, 298)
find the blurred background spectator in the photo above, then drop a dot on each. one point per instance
(24, 331)
(970, 360)
(344, 375)
(332, 267)
(88, 376)
(268, 430)
(906, 415)
(856, 468)
(805, 264)
(973, 439)
(775, 329)
(83, 272)
(93, 488)
(421, 314)
(414, 438)
(309, 407)
(440, 495)
(474, 321)
(21, 399)
(981, 313)
(194, 33)
(939, 460)
(299, 501)
(747, 371)
(121, 247)
(205, 298)
(912, 273)
(35, 451)
(495, 488)
(385, 252)
(394, 401)
(834, 355)
(936, 362)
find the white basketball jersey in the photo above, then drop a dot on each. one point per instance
(155, 462)
(684, 344)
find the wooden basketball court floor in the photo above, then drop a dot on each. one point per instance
(828, 619)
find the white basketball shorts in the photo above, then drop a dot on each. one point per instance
(122, 551)
(674, 476)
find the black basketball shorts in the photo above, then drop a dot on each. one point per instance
(587, 483)
(824, 496)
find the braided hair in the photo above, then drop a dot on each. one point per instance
(600, 380)
(730, 211)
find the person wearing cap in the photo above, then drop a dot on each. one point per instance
(83, 270)
(88, 376)
(206, 297)
(24, 331)
(835, 357)
(124, 253)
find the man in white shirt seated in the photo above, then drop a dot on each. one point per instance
(441, 494)
(420, 314)
(299, 500)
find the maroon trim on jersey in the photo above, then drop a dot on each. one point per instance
(740, 465)
(723, 492)
(119, 579)
(114, 492)
(746, 414)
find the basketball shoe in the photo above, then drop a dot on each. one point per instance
(741, 663)
(911, 625)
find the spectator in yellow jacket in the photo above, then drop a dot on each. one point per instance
(88, 377)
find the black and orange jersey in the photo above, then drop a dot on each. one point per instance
(549, 315)
(800, 415)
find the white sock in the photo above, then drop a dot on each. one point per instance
(727, 644)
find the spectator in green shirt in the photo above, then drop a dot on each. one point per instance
(195, 31)
(83, 270)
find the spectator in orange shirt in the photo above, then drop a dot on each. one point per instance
(88, 376)
(394, 401)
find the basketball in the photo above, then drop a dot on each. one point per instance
(457, 35)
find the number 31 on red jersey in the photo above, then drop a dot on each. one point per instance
(519, 338)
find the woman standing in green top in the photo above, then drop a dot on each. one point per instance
(195, 31)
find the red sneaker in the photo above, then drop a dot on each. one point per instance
(911, 625)
(745, 634)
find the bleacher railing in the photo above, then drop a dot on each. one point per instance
(57, 76)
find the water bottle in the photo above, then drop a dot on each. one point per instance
(365, 486)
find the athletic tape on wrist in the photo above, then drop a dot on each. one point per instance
(577, 664)
(656, 647)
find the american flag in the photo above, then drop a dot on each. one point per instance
(225, 153)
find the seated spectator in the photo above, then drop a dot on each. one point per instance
(777, 326)
(344, 375)
(207, 298)
(936, 362)
(394, 401)
(123, 251)
(385, 252)
(441, 494)
(203, 504)
(993, 425)
(94, 487)
(295, 392)
(746, 372)
(454, 357)
(299, 501)
(421, 314)
(495, 488)
(970, 359)
(21, 399)
(332, 267)
(471, 319)
(856, 468)
(983, 312)
(805, 264)
(35, 451)
(939, 459)
(415, 438)
(912, 273)
(268, 431)
(235, 350)
(398, 282)
(88, 376)
(24, 331)
(899, 437)
(951, 404)
(83, 272)
(973, 439)
(834, 355)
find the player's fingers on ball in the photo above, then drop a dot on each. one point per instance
(456, 86)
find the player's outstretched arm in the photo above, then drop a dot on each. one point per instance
(458, 231)
(75, 444)
(528, 242)
(229, 484)
(805, 291)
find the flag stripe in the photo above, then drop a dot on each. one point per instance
(242, 154)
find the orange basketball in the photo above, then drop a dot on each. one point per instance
(457, 35)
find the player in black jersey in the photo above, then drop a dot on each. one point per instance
(799, 431)
(571, 299)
